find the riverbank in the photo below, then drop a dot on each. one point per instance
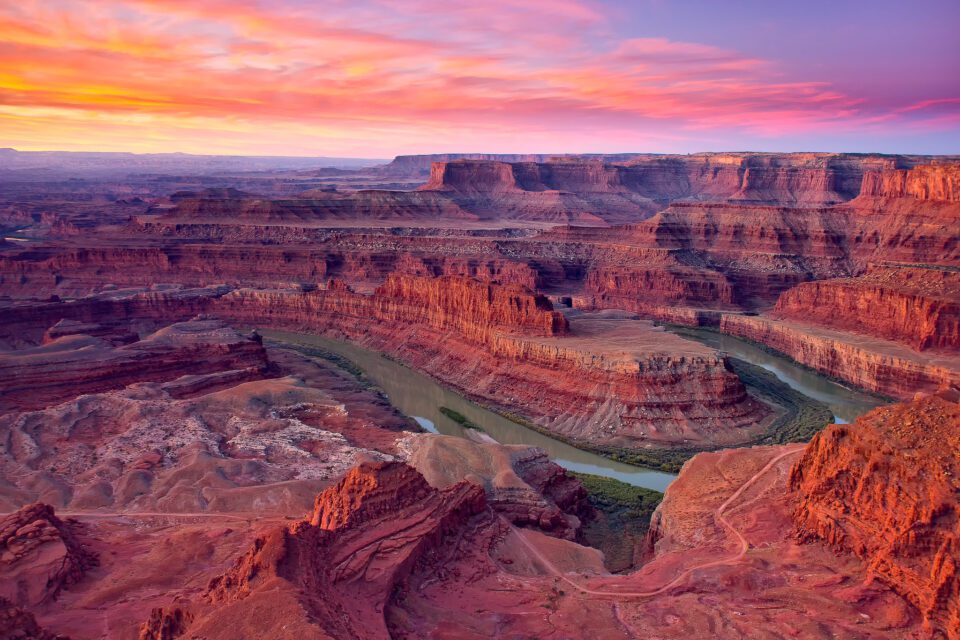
(420, 397)
(801, 418)
(802, 415)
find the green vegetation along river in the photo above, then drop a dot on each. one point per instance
(441, 410)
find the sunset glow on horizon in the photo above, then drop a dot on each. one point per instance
(374, 79)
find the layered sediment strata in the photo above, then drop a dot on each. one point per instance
(521, 483)
(384, 554)
(189, 439)
(614, 381)
(73, 270)
(913, 306)
(888, 368)
(334, 574)
(76, 363)
(886, 489)
(938, 182)
(733, 230)
(316, 205)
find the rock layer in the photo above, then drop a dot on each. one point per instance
(346, 563)
(881, 366)
(75, 364)
(498, 343)
(917, 307)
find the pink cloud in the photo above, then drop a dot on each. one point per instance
(357, 72)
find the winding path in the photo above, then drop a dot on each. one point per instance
(719, 514)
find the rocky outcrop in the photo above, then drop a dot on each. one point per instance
(469, 306)
(916, 307)
(521, 483)
(40, 555)
(75, 364)
(345, 564)
(220, 441)
(888, 490)
(636, 288)
(165, 624)
(402, 558)
(885, 367)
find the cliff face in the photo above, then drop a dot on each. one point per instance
(917, 307)
(876, 365)
(761, 178)
(886, 489)
(346, 563)
(927, 182)
(469, 306)
(318, 205)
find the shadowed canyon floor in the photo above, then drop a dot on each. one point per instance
(193, 443)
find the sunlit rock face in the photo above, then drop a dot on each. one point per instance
(887, 489)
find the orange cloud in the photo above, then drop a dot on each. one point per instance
(367, 79)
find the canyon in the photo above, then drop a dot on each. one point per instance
(173, 463)
(735, 547)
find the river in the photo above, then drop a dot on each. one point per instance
(420, 397)
(845, 403)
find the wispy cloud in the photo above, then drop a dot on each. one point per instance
(366, 78)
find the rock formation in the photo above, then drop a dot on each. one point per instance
(201, 431)
(888, 490)
(877, 365)
(917, 307)
(613, 383)
(189, 449)
(76, 363)
(521, 483)
(344, 565)
(19, 624)
(40, 555)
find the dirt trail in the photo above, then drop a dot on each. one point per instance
(719, 514)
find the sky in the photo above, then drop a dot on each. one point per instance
(377, 78)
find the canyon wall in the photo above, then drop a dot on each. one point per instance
(927, 182)
(74, 364)
(916, 307)
(500, 344)
(886, 489)
(871, 364)
(344, 564)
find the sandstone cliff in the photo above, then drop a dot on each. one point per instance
(917, 307)
(888, 490)
(344, 564)
(926, 182)
(500, 344)
(877, 365)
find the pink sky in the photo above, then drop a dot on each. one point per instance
(374, 79)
